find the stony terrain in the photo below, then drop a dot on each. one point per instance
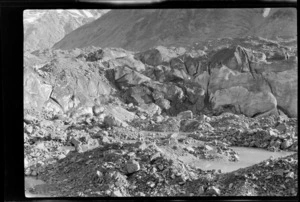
(112, 122)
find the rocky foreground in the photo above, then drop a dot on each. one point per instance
(109, 122)
(88, 159)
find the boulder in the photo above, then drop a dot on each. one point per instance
(278, 54)
(168, 91)
(168, 53)
(189, 125)
(138, 95)
(97, 110)
(208, 148)
(150, 57)
(127, 61)
(202, 80)
(240, 92)
(29, 119)
(94, 56)
(151, 109)
(126, 77)
(242, 101)
(119, 113)
(213, 190)
(195, 95)
(178, 70)
(52, 106)
(111, 121)
(83, 111)
(285, 89)
(132, 166)
(163, 103)
(185, 115)
(170, 125)
(235, 58)
(286, 144)
(36, 91)
(159, 73)
(192, 65)
(113, 53)
(74, 83)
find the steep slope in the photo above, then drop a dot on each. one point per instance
(144, 28)
(43, 28)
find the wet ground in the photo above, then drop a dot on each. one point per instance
(248, 157)
(224, 152)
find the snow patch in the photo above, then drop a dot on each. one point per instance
(88, 13)
(30, 20)
(59, 10)
(75, 12)
(266, 12)
(30, 16)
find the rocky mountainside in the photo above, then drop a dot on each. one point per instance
(142, 29)
(43, 28)
(112, 122)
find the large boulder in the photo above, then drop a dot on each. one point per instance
(126, 77)
(119, 113)
(138, 95)
(240, 92)
(113, 53)
(159, 73)
(36, 91)
(94, 56)
(150, 109)
(285, 89)
(243, 101)
(178, 70)
(168, 53)
(235, 58)
(127, 61)
(150, 57)
(189, 125)
(74, 83)
(192, 65)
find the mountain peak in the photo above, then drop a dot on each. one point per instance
(43, 28)
(142, 29)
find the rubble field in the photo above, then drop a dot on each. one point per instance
(219, 119)
(87, 159)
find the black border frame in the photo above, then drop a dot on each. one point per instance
(11, 42)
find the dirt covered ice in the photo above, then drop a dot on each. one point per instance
(111, 122)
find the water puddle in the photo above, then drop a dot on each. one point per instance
(248, 157)
(30, 183)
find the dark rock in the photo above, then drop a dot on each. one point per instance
(170, 125)
(111, 121)
(150, 57)
(163, 103)
(185, 115)
(138, 95)
(151, 109)
(281, 127)
(127, 77)
(94, 56)
(178, 70)
(189, 125)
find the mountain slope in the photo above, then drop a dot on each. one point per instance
(43, 28)
(142, 29)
